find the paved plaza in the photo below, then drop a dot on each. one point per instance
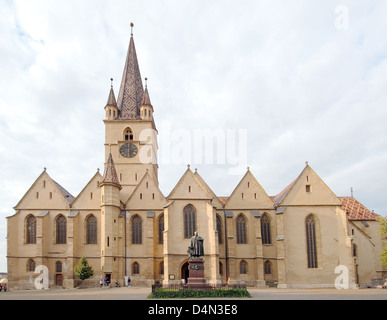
(141, 293)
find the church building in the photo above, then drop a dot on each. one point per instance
(126, 227)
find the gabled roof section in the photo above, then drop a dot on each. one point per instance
(146, 195)
(249, 194)
(307, 189)
(84, 198)
(131, 91)
(216, 202)
(45, 193)
(189, 187)
(67, 195)
(110, 175)
(355, 210)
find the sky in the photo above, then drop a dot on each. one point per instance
(276, 84)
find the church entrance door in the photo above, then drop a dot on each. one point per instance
(185, 272)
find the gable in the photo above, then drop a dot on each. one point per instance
(309, 189)
(189, 187)
(45, 193)
(147, 195)
(216, 202)
(249, 194)
(90, 196)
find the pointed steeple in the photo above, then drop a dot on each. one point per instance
(112, 98)
(131, 91)
(145, 99)
(111, 105)
(110, 175)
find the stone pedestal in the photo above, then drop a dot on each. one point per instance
(196, 278)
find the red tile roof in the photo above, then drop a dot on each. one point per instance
(355, 210)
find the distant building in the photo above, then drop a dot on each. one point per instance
(124, 226)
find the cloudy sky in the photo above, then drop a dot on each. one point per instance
(287, 81)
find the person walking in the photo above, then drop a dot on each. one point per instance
(129, 282)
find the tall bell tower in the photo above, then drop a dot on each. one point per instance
(130, 130)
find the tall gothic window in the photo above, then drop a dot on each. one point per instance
(311, 244)
(219, 228)
(161, 229)
(241, 229)
(31, 230)
(61, 230)
(136, 230)
(189, 221)
(265, 229)
(91, 224)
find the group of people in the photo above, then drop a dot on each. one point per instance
(106, 283)
(3, 287)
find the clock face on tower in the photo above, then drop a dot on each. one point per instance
(128, 150)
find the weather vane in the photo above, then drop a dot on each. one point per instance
(131, 27)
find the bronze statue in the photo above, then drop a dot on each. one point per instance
(196, 250)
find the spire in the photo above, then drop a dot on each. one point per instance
(110, 175)
(112, 98)
(145, 98)
(131, 91)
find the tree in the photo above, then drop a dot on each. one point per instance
(83, 270)
(383, 232)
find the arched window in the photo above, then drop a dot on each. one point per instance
(161, 271)
(135, 268)
(58, 266)
(61, 230)
(31, 230)
(311, 244)
(91, 230)
(189, 221)
(161, 229)
(267, 267)
(220, 268)
(241, 228)
(243, 267)
(219, 228)
(136, 230)
(128, 135)
(30, 265)
(265, 229)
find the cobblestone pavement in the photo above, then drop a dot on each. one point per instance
(140, 293)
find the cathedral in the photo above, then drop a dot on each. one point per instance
(126, 227)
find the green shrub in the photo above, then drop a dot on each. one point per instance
(162, 293)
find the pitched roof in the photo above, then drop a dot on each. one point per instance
(355, 210)
(67, 195)
(131, 91)
(110, 175)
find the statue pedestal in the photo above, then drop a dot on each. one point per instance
(196, 278)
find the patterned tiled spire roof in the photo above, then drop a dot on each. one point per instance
(131, 91)
(112, 98)
(145, 98)
(110, 175)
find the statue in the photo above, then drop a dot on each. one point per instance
(196, 250)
